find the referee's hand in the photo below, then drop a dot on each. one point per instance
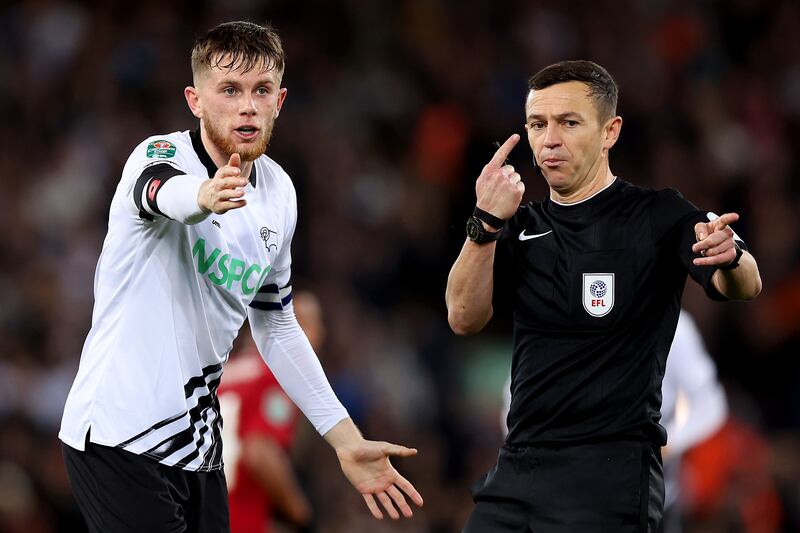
(225, 191)
(715, 241)
(499, 188)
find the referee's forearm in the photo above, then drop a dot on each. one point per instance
(741, 283)
(469, 288)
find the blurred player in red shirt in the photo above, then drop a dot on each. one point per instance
(259, 425)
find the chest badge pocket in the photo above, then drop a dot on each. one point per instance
(598, 293)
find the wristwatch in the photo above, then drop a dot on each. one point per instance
(477, 233)
(740, 248)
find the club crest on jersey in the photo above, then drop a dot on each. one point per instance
(161, 149)
(266, 236)
(598, 293)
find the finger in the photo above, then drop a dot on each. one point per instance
(715, 239)
(406, 486)
(235, 160)
(373, 507)
(232, 182)
(396, 449)
(227, 172)
(521, 187)
(227, 194)
(701, 230)
(502, 153)
(722, 259)
(399, 501)
(721, 249)
(725, 220)
(387, 504)
(515, 178)
(224, 207)
(507, 170)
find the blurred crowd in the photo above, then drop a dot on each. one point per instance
(392, 110)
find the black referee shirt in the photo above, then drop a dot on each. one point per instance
(596, 288)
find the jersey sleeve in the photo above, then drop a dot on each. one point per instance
(151, 166)
(286, 351)
(276, 292)
(148, 185)
(673, 219)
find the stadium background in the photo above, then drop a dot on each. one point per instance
(391, 112)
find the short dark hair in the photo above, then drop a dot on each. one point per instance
(243, 45)
(602, 87)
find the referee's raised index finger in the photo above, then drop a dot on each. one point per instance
(501, 154)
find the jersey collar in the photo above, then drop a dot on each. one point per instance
(197, 144)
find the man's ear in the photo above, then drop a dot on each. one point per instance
(193, 101)
(281, 99)
(612, 130)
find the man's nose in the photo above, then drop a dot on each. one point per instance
(551, 137)
(248, 106)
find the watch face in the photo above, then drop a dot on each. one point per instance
(472, 229)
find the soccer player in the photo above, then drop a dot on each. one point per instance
(596, 271)
(259, 429)
(199, 239)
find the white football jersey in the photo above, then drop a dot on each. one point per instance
(169, 301)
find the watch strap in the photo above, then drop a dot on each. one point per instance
(740, 247)
(489, 218)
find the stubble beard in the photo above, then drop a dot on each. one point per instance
(247, 151)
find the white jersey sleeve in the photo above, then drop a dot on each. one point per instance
(286, 350)
(159, 183)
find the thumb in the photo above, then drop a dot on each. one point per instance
(235, 160)
(400, 451)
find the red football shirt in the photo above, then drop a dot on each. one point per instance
(252, 403)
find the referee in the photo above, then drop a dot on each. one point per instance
(596, 271)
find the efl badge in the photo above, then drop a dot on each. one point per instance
(598, 293)
(161, 149)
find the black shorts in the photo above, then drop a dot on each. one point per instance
(118, 491)
(602, 487)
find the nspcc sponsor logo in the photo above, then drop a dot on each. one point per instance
(229, 271)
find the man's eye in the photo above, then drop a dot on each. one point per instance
(537, 125)
(230, 91)
(262, 91)
(571, 123)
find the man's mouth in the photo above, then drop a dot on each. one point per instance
(552, 162)
(246, 132)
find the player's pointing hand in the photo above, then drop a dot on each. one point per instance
(225, 191)
(499, 188)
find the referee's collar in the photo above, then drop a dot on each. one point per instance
(202, 153)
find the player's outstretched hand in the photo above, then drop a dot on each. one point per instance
(225, 191)
(499, 188)
(715, 241)
(366, 465)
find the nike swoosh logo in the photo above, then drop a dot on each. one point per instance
(524, 237)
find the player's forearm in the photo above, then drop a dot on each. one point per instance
(741, 283)
(287, 352)
(177, 199)
(469, 288)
